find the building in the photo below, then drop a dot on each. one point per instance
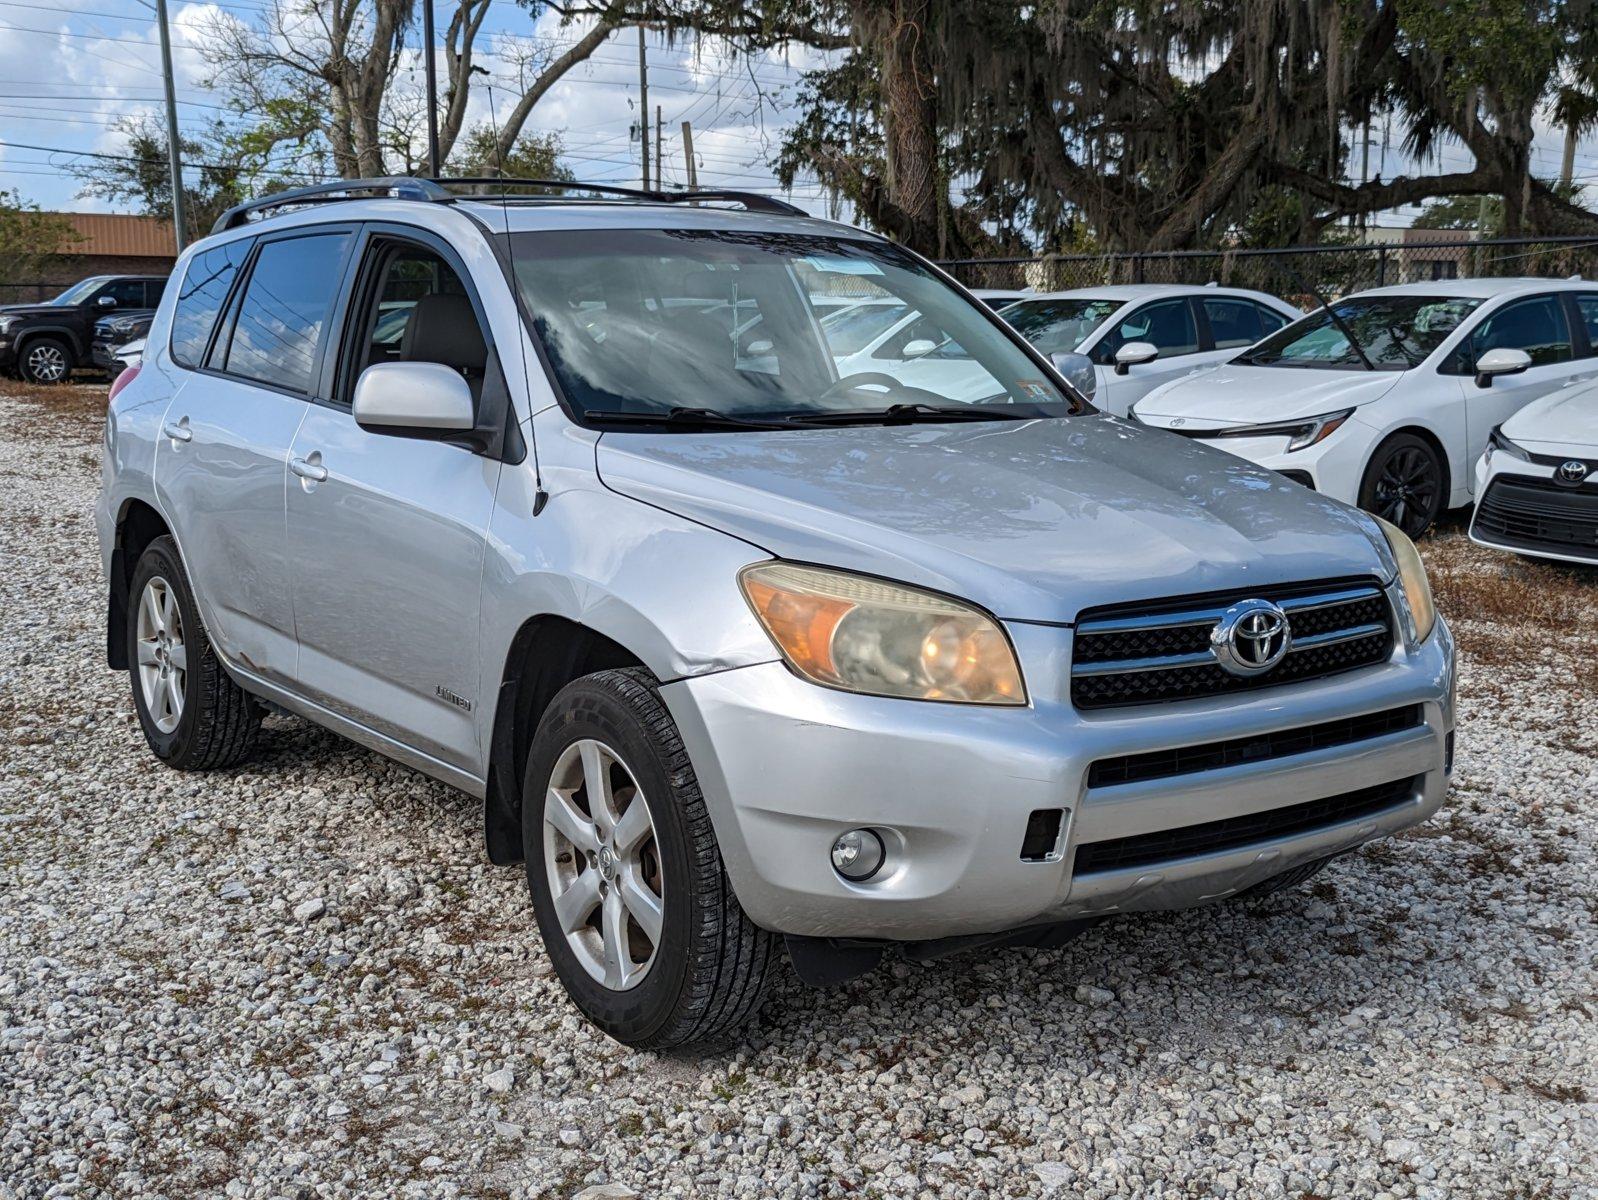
(1422, 255)
(111, 244)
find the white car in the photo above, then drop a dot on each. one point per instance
(1139, 336)
(1394, 420)
(1537, 481)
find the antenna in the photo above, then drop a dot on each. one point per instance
(493, 125)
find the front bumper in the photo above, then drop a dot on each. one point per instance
(1557, 526)
(786, 766)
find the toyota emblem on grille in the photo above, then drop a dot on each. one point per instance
(1251, 637)
(1572, 471)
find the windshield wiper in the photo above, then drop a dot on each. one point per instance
(917, 413)
(702, 418)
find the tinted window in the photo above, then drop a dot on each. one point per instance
(1587, 306)
(1233, 323)
(152, 292)
(128, 293)
(205, 288)
(286, 303)
(1167, 326)
(1537, 326)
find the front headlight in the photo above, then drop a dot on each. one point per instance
(1300, 435)
(1412, 576)
(5, 324)
(884, 639)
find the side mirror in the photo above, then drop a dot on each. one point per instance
(1078, 370)
(416, 399)
(918, 347)
(106, 302)
(1134, 354)
(1502, 361)
(761, 347)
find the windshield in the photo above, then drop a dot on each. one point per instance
(642, 322)
(1058, 326)
(80, 291)
(1395, 332)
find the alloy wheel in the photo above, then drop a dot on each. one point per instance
(163, 664)
(603, 864)
(1406, 490)
(46, 363)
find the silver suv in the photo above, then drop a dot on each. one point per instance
(564, 502)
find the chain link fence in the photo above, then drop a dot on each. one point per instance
(1294, 272)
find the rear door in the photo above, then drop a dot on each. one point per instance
(222, 461)
(387, 534)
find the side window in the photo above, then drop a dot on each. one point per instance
(1587, 306)
(1233, 322)
(128, 293)
(205, 288)
(418, 310)
(1270, 320)
(1167, 325)
(1537, 326)
(153, 290)
(286, 304)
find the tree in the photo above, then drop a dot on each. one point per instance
(534, 156)
(29, 238)
(214, 172)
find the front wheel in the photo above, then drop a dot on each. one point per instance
(1404, 483)
(46, 360)
(637, 912)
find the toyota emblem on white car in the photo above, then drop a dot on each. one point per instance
(1572, 471)
(1251, 637)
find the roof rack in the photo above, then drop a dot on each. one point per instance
(412, 187)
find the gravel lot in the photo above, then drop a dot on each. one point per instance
(302, 979)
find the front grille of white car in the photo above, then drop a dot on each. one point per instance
(1152, 654)
(1539, 514)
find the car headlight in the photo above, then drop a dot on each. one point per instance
(1497, 443)
(866, 635)
(1412, 577)
(5, 324)
(1300, 435)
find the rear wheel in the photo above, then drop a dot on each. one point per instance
(637, 912)
(46, 360)
(194, 716)
(1404, 483)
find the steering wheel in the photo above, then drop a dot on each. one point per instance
(864, 379)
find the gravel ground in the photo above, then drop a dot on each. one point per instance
(301, 979)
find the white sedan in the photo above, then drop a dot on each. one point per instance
(1386, 401)
(1537, 482)
(1138, 336)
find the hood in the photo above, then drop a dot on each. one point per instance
(32, 310)
(1557, 424)
(1033, 520)
(1234, 394)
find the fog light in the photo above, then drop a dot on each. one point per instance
(858, 855)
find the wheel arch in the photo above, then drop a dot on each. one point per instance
(547, 652)
(1432, 438)
(62, 332)
(138, 524)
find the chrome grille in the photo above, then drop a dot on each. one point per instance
(1127, 656)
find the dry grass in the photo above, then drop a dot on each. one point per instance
(74, 411)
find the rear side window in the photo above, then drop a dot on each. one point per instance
(1233, 323)
(1587, 306)
(152, 292)
(205, 289)
(286, 304)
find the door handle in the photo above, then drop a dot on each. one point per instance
(306, 469)
(178, 430)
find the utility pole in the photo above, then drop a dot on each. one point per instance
(660, 156)
(174, 149)
(643, 104)
(688, 153)
(431, 72)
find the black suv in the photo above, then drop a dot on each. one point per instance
(44, 342)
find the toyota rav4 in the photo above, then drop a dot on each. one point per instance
(564, 502)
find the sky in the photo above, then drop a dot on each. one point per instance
(69, 69)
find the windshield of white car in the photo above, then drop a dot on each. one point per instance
(719, 326)
(1058, 326)
(79, 292)
(1396, 333)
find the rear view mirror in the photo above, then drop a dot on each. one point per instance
(421, 399)
(918, 347)
(1502, 361)
(1078, 371)
(1134, 354)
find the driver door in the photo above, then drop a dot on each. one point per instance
(1168, 326)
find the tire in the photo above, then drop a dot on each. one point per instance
(194, 716)
(1291, 878)
(704, 976)
(1405, 483)
(45, 360)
